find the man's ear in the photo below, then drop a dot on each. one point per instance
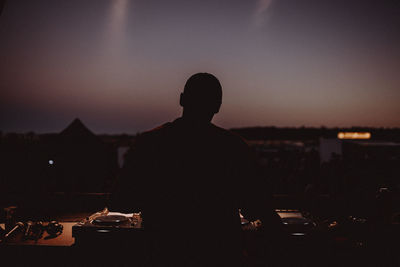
(181, 100)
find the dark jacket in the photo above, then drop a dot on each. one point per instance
(189, 183)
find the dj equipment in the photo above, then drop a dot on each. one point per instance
(54, 228)
(19, 226)
(110, 227)
(2, 232)
(34, 230)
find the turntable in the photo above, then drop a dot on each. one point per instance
(111, 220)
(107, 227)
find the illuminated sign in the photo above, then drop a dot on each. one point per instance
(354, 135)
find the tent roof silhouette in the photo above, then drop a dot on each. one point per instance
(77, 131)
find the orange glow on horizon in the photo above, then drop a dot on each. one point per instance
(354, 135)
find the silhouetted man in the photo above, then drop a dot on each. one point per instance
(189, 178)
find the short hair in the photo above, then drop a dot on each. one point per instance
(203, 88)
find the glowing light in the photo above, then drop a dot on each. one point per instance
(51, 162)
(103, 231)
(115, 30)
(259, 14)
(354, 135)
(119, 13)
(298, 234)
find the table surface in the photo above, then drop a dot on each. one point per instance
(66, 239)
(63, 240)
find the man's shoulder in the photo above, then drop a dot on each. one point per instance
(170, 128)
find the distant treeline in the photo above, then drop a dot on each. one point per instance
(311, 133)
(249, 133)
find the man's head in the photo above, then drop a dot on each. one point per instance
(201, 97)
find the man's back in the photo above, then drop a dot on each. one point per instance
(189, 189)
(186, 177)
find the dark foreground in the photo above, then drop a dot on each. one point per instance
(340, 242)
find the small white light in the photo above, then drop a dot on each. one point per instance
(298, 234)
(51, 162)
(103, 231)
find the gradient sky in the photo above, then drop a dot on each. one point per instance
(120, 65)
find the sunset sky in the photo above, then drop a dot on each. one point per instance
(119, 65)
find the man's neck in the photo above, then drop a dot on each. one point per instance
(195, 121)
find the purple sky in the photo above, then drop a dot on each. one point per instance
(120, 65)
